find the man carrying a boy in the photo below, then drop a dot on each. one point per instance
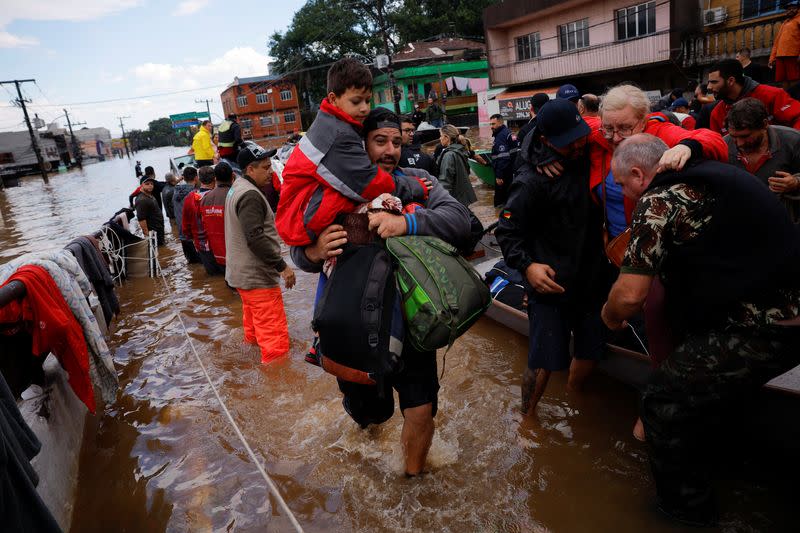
(439, 215)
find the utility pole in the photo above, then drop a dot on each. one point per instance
(21, 101)
(208, 108)
(124, 139)
(75, 148)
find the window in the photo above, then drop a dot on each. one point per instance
(241, 101)
(286, 94)
(574, 35)
(262, 98)
(528, 46)
(265, 121)
(288, 116)
(247, 122)
(6, 157)
(759, 8)
(636, 21)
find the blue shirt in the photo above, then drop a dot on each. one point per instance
(615, 206)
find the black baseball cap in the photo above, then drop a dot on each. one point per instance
(252, 152)
(560, 123)
(146, 178)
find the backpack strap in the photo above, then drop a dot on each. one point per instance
(372, 299)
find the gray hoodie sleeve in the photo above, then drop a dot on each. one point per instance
(298, 254)
(443, 216)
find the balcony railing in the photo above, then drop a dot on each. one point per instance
(723, 44)
(608, 56)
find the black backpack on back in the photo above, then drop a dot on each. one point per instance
(354, 315)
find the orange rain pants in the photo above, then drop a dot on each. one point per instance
(264, 321)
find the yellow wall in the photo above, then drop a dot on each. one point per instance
(754, 33)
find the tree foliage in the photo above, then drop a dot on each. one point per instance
(415, 20)
(323, 31)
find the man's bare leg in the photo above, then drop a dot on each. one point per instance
(579, 370)
(417, 436)
(638, 430)
(533, 384)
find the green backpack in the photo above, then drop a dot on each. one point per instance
(442, 295)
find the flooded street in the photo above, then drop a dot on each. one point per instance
(164, 458)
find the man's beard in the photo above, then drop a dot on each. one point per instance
(388, 163)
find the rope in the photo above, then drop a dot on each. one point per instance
(639, 339)
(270, 484)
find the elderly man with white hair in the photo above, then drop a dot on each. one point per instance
(625, 111)
(727, 253)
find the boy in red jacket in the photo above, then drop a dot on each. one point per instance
(329, 171)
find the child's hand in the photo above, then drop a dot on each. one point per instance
(387, 224)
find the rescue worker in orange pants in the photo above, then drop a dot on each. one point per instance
(254, 266)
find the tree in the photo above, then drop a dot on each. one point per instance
(161, 132)
(323, 31)
(416, 20)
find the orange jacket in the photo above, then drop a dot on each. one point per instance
(787, 42)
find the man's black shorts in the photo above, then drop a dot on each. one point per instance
(552, 325)
(417, 384)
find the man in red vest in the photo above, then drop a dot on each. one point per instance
(212, 215)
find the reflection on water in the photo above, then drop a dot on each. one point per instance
(163, 457)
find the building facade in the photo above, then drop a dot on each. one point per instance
(451, 70)
(729, 26)
(593, 44)
(267, 106)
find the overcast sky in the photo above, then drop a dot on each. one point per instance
(90, 50)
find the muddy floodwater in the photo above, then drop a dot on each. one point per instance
(164, 458)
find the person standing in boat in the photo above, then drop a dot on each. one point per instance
(411, 155)
(434, 114)
(454, 167)
(550, 231)
(727, 255)
(202, 147)
(504, 151)
(230, 138)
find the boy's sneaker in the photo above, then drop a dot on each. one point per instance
(312, 357)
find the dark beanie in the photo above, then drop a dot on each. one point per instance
(378, 118)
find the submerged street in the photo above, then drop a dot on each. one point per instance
(164, 458)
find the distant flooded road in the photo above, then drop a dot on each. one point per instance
(164, 458)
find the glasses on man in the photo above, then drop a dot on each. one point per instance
(408, 130)
(625, 131)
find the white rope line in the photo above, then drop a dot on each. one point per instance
(270, 484)
(638, 339)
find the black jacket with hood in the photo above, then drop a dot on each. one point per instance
(554, 221)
